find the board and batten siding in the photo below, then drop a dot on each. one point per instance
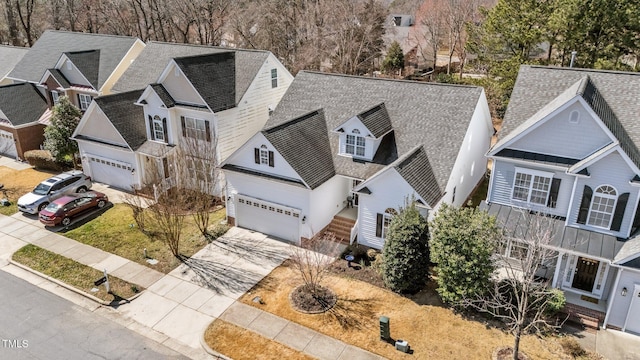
(388, 190)
(252, 112)
(560, 136)
(614, 171)
(502, 187)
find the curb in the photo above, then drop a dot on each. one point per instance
(209, 350)
(71, 288)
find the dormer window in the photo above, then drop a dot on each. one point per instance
(355, 143)
(158, 128)
(263, 156)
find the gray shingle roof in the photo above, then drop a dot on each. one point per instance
(376, 120)
(435, 116)
(126, 117)
(415, 168)
(612, 95)
(88, 63)
(311, 161)
(22, 103)
(47, 51)
(213, 77)
(9, 57)
(164, 95)
(148, 66)
(60, 78)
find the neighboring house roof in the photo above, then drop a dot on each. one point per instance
(376, 120)
(9, 57)
(568, 238)
(435, 116)
(164, 95)
(213, 77)
(88, 63)
(59, 78)
(152, 61)
(47, 51)
(126, 117)
(612, 95)
(22, 103)
(313, 162)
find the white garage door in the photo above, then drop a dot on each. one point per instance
(7, 144)
(269, 218)
(111, 172)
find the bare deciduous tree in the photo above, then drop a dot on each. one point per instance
(521, 297)
(313, 259)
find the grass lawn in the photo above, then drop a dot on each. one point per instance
(73, 273)
(17, 183)
(227, 337)
(115, 232)
(432, 331)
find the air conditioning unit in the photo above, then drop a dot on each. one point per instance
(402, 345)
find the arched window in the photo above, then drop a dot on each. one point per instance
(264, 155)
(574, 117)
(158, 129)
(355, 143)
(602, 207)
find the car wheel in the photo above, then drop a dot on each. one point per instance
(66, 221)
(101, 204)
(81, 189)
(42, 206)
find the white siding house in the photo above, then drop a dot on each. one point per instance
(363, 147)
(569, 149)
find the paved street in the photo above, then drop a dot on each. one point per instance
(36, 324)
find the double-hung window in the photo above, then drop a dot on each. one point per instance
(531, 186)
(264, 155)
(355, 144)
(195, 128)
(602, 207)
(158, 129)
(274, 78)
(383, 221)
(55, 97)
(83, 101)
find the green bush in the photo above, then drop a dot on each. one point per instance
(42, 159)
(217, 231)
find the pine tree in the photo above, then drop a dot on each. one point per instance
(394, 60)
(57, 136)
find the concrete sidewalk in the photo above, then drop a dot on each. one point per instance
(177, 307)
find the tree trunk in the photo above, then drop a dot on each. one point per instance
(11, 23)
(516, 343)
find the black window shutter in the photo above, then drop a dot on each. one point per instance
(618, 214)
(256, 153)
(587, 194)
(553, 193)
(78, 97)
(379, 220)
(184, 128)
(207, 130)
(153, 134)
(165, 130)
(271, 158)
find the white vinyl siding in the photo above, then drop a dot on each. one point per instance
(602, 206)
(531, 186)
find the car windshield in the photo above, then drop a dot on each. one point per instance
(42, 189)
(53, 207)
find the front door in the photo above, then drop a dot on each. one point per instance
(585, 274)
(354, 195)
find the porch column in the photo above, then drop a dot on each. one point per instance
(556, 273)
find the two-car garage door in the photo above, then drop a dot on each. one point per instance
(111, 172)
(269, 218)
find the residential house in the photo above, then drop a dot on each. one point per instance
(9, 57)
(186, 91)
(78, 65)
(569, 149)
(22, 110)
(344, 153)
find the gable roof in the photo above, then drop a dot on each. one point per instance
(22, 103)
(164, 95)
(376, 120)
(435, 116)
(313, 160)
(153, 60)
(88, 63)
(213, 77)
(9, 57)
(58, 77)
(47, 50)
(126, 117)
(415, 169)
(612, 95)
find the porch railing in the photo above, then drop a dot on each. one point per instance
(163, 186)
(354, 232)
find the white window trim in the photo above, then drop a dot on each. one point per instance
(194, 132)
(55, 96)
(569, 274)
(274, 79)
(533, 174)
(157, 120)
(356, 136)
(264, 155)
(606, 196)
(83, 102)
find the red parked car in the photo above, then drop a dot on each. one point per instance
(62, 210)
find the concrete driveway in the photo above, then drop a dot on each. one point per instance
(184, 302)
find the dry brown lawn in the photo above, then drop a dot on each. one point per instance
(17, 183)
(432, 331)
(226, 337)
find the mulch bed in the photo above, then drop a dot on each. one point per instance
(356, 271)
(304, 300)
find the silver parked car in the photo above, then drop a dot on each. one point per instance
(73, 181)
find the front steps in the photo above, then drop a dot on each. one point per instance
(588, 318)
(341, 227)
